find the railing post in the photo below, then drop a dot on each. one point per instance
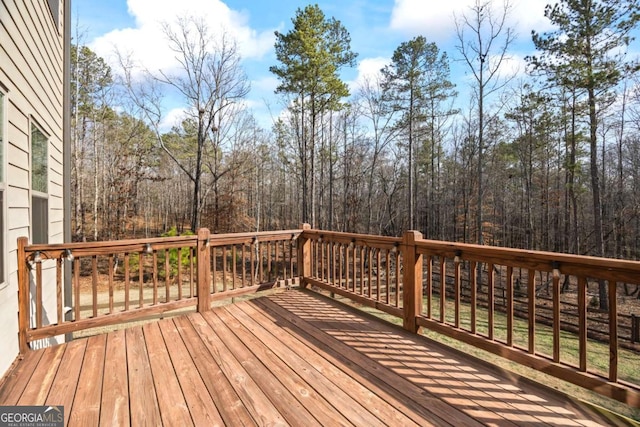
(304, 256)
(23, 295)
(411, 281)
(204, 270)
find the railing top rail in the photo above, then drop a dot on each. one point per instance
(106, 247)
(581, 265)
(596, 267)
(252, 237)
(358, 239)
(112, 246)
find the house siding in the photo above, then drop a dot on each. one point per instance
(31, 72)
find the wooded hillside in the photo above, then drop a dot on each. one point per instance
(545, 160)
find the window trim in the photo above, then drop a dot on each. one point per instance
(36, 193)
(55, 14)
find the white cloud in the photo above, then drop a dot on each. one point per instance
(368, 69)
(173, 117)
(511, 66)
(435, 18)
(267, 84)
(146, 44)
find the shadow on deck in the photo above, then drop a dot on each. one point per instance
(291, 358)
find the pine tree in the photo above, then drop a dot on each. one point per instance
(587, 52)
(310, 56)
(416, 84)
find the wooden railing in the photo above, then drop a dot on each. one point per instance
(361, 267)
(450, 288)
(446, 287)
(120, 281)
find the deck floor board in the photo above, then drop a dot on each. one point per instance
(167, 368)
(114, 408)
(224, 397)
(18, 378)
(89, 391)
(291, 358)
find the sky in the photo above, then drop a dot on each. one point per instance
(377, 28)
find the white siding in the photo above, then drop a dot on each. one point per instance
(31, 69)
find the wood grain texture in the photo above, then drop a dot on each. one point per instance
(292, 358)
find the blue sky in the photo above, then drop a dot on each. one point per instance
(377, 28)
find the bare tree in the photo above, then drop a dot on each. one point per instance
(210, 81)
(382, 132)
(483, 42)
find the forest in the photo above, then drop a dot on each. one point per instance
(546, 160)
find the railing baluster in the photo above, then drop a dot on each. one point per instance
(76, 289)
(268, 260)
(613, 331)
(335, 264)
(531, 294)
(397, 278)
(347, 263)
(490, 302)
(38, 304)
(456, 268)
(253, 264)
(315, 261)
(510, 306)
(111, 283)
(473, 282)
(260, 255)
(224, 269)
(167, 275)
(243, 264)
(356, 270)
(362, 253)
(291, 274)
(191, 272)
(59, 315)
(388, 275)
(141, 260)
(276, 261)
(378, 273)
(214, 270)
(369, 271)
(126, 281)
(329, 261)
(233, 267)
(443, 289)
(429, 263)
(582, 322)
(556, 315)
(179, 273)
(94, 284)
(155, 276)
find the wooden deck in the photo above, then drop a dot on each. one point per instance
(292, 358)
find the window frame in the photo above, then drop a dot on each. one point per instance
(54, 9)
(39, 235)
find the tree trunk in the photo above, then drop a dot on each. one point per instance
(595, 190)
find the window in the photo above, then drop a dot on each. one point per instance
(54, 7)
(39, 184)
